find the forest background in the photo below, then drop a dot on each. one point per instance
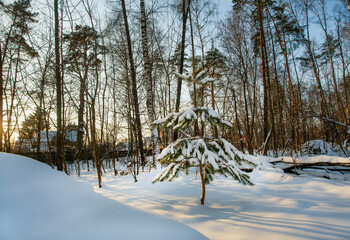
(80, 77)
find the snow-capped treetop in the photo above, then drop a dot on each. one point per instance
(185, 119)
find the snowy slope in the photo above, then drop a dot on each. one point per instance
(279, 206)
(37, 202)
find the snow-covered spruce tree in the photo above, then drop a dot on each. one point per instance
(211, 156)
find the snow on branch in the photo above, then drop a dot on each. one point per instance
(186, 118)
(216, 156)
(184, 77)
(200, 78)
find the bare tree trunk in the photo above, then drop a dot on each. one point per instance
(10, 106)
(1, 96)
(237, 120)
(96, 154)
(302, 134)
(3, 53)
(47, 124)
(215, 129)
(185, 10)
(270, 104)
(39, 126)
(263, 69)
(64, 162)
(103, 95)
(196, 128)
(94, 142)
(294, 113)
(59, 161)
(133, 85)
(80, 131)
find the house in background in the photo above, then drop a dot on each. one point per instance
(70, 138)
(47, 141)
(23, 145)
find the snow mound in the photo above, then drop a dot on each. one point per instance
(265, 172)
(37, 202)
(318, 147)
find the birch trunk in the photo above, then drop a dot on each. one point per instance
(148, 79)
(1, 95)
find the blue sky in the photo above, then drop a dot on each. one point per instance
(224, 5)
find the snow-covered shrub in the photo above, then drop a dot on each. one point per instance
(317, 147)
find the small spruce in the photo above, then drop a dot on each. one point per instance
(210, 155)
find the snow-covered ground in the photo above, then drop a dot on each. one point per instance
(38, 202)
(317, 159)
(279, 206)
(326, 166)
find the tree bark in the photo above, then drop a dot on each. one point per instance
(263, 69)
(82, 92)
(196, 128)
(133, 85)
(94, 142)
(40, 123)
(1, 95)
(294, 113)
(59, 161)
(185, 10)
(148, 79)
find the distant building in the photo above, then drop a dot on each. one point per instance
(122, 146)
(23, 145)
(70, 138)
(47, 139)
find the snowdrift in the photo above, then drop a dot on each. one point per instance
(37, 202)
